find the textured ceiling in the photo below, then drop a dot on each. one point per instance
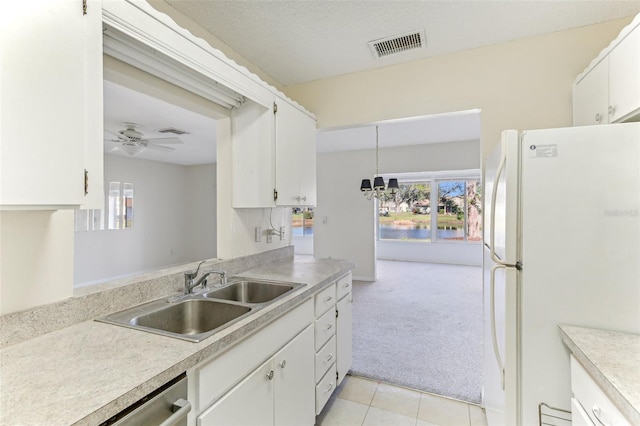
(296, 41)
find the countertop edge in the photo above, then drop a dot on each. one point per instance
(620, 401)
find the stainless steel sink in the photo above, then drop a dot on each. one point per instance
(193, 319)
(251, 291)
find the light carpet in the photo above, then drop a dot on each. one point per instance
(420, 326)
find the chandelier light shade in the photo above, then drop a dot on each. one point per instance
(379, 189)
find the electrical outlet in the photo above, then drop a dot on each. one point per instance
(282, 233)
(269, 236)
(258, 234)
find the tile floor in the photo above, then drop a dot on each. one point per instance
(359, 401)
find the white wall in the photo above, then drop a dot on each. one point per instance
(344, 221)
(523, 84)
(36, 258)
(174, 221)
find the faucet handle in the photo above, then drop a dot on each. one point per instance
(194, 274)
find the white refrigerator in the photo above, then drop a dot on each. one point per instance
(561, 246)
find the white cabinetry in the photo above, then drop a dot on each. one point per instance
(295, 164)
(274, 156)
(590, 405)
(608, 91)
(344, 326)
(333, 338)
(273, 369)
(279, 392)
(50, 103)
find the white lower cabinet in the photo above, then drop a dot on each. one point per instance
(278, 392)
(333, 337)
(590, 405)
(344, 335)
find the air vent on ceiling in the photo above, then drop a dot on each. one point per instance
(398, 43)
(174, 131)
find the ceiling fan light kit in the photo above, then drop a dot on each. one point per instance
(133, 142)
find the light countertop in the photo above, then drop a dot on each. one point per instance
(87, 372)
(612, 359)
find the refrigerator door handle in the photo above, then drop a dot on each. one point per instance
(492, 219)
(494, 337)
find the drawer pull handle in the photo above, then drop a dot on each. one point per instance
(329, 387)
(598, 117)
(270, 375)
(346, 285)
(329, 358)
(596, 413)
(328, 299)
(329, 326)
(283, 363)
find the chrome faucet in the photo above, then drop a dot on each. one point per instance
(190, 283)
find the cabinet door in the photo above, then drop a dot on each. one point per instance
(295, 163)
(295, 381)
(591, 97)
(249, 403)
(344, 335)
(252, 131)
(42, 100)
(624, 77)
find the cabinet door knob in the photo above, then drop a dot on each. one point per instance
(329, 326)
(328, 299)
(329, 358)
(612, 109)
(283, 363)
(596, 413)
(346, 285)
(329, 387)
(598, 117)
(270, 375)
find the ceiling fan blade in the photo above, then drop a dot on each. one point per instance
(166, 141)
(117, 135)
(159, 147)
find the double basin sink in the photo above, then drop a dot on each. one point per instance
(195, 317)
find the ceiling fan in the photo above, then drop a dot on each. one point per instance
(133, 142)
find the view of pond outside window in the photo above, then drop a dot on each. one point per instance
(302, 221)
(408, 215)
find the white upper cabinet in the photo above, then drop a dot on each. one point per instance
(624, 78)
(274, 156)
(591, 96)
(50, 103)
(295, 156)
(608, 91)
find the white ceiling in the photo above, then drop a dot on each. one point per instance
(122, 104)
(298, 41)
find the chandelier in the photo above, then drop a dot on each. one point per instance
(378, 190)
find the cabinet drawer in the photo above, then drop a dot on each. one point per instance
(325, 358)
(343, 286)
(325, 327)
(325, 300)
(579, 417)
(325, 388)
(595, 402)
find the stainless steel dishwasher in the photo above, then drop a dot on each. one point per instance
(166, 406)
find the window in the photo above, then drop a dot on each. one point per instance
(405, 216)
(302, 221)
(450, 206)
(117, 214)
